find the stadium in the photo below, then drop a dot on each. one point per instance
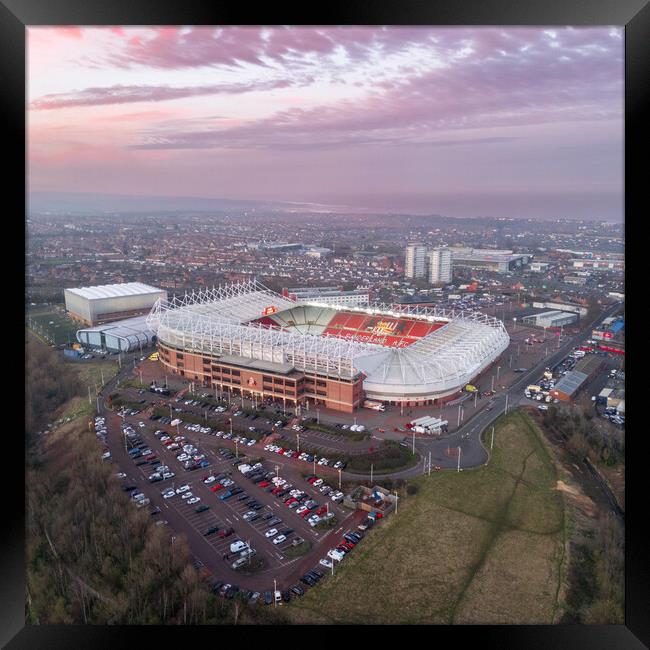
(247, 340)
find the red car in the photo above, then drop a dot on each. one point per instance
(321, 510)
(168, 442)
(288, 502)
(280, 451)
(216, 488)
(150, 457)
(304, 514)
(313, 479)
(225, 532)
(277, 490)
(263, 484)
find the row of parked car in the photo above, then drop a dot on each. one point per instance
(186, 452)
(101, 432)
(309, 458)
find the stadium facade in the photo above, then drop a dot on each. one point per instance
(246, 340)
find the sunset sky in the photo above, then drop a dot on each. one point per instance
(456, 121)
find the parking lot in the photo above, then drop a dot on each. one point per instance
(223, 512)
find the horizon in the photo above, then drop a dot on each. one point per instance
(285, 207)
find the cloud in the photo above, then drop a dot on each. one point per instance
(130, 94)
(494, 84)
(174, 47)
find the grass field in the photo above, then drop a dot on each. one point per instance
(52, 325)
(483, 546)
(90, 374)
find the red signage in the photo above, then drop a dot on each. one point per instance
(269, 310)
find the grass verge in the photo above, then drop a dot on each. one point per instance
(477, 547)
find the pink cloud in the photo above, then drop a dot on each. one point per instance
(501, 87)
(133, 94)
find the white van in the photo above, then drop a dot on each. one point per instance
(237, 546)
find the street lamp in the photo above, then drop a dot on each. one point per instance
(514, 327)
(275, 588)
(339, 478)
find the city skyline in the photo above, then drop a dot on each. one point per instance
(504, 122)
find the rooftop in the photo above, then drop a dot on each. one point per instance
(114, 290)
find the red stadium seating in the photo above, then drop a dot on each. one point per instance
(383, 330)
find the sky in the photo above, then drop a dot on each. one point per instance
(458, 121)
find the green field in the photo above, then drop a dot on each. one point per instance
(483, 546)
(51, 324)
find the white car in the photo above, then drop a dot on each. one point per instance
(121, 475)
(182, 457)
(249, 514)
(187, 495)
(279, 539)
(237, 546)
(210, 479)
(301, 509)
(318, 482)
(251, 442)
(271, 533)
(182, 488)
(168, 475)
(335, 555)
(194, 500)
(168, 494)
(326, 563)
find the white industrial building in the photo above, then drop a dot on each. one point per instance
(329, 295)
(119, 336)
(550, 319)
(111, 302)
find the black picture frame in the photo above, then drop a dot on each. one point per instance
(16, 15)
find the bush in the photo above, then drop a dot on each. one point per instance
(411, 489)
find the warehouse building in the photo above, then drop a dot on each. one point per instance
(553, 318)
(329, 295)
(120, 336)
(499, 261)
(567, 388)
(111, 302)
